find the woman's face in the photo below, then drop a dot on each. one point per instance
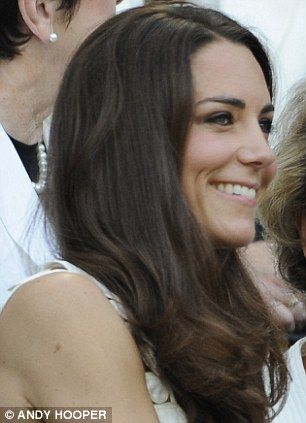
(227, 160)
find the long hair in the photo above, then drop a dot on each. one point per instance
(115, 200)
(285, 199)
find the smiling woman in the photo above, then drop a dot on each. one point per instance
(227, 162)
(162, 109)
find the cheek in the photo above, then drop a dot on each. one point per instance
(93, 13)
(105, 9)
(204, 153)
(302, 230)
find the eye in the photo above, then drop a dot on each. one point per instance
(222, 119)
(266, 125)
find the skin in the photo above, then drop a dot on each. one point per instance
(235, 150)
(29, 83)
(227, 141)
(274, 290)
(74, 357)
(301, 224)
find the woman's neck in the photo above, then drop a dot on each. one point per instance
(27, 92)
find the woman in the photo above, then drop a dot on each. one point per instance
(283, 211)
(37, 39)
(166, 111)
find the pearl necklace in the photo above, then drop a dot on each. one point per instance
(39, 186)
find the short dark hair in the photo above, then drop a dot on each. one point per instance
(115, 200)
(11, 35)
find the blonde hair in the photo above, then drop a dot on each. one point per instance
(286, 197)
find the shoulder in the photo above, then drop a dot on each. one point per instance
(57, 304)
(61, 328)
(58, 292)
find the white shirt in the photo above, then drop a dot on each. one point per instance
(23, 243)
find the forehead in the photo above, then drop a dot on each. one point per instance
(225, 68)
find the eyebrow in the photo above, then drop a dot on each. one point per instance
(267, 108)
(236, 102)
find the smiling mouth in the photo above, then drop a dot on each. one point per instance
(236, 189)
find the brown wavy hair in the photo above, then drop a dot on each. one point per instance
(285, 200)
(11, 36)
(115, 200)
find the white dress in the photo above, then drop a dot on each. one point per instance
(166, 407)
(294, 410)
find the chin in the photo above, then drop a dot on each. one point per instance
(234, 238)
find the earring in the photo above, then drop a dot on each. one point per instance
(53, 37)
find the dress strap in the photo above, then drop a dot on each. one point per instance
(45, 272)
(114, 300)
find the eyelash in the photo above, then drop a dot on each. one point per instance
(268, 122)
(216, 119)
(219, 118)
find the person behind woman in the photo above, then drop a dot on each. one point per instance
(37, 39)
(283, 207)
(158, 156)
(283, 210)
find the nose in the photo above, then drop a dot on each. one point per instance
(255, 150)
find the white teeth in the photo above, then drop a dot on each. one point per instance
(228, 189)
(235, 189)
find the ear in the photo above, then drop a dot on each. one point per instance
(301, 225)
(39, 15)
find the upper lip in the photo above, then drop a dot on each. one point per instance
(242, 183)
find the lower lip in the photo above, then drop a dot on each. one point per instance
(240, 199)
